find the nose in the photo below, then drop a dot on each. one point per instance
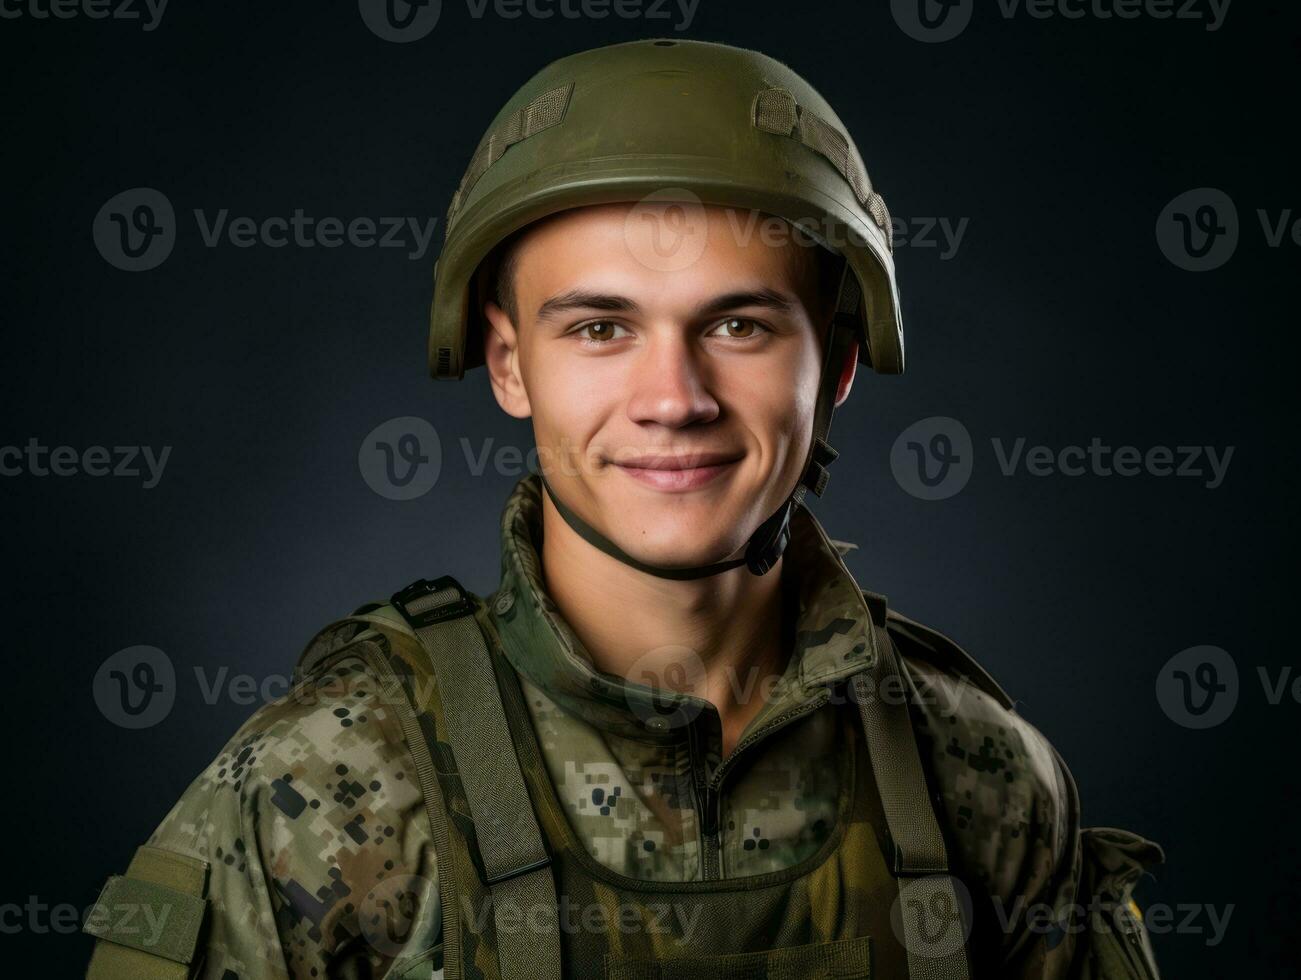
(669, 384)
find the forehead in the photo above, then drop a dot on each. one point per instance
(660, 246)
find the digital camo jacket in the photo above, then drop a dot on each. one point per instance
(314, 824)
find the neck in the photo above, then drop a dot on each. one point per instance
(719, 638)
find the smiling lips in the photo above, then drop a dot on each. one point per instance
(677, 472)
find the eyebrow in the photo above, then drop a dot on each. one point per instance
(574, 299)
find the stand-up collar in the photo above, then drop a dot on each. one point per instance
(832, 638)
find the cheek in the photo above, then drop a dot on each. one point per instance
(780, 399)
(569, 407)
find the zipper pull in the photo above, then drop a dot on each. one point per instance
(710, 806)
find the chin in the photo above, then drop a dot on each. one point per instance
(671, 534)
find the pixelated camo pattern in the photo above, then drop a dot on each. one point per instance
(322, 858)
(313, 822)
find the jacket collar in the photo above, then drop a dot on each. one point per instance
(833, 635)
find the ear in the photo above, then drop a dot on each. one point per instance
(501, 356)
(847, 371)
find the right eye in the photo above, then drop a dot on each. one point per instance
(598, 332)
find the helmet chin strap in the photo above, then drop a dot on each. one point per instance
(769, 540)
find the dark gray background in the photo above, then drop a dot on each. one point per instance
(1059, 319)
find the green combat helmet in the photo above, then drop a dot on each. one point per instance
(687, 121)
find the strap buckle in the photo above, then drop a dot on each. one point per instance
(492, 880)
(462, 605)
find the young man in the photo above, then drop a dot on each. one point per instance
(679, 740)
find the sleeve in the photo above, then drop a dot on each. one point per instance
(310, 825)
(1050, 900)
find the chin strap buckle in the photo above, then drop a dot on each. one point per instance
(816, 474)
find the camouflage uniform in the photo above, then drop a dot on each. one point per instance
(313, 820)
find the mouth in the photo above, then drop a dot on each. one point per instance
(678, 472)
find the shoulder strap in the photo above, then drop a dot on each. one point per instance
(515, 860)
(934, 926)
(921, 642)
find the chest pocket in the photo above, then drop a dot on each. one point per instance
(847, 959)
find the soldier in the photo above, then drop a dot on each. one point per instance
(679, 740)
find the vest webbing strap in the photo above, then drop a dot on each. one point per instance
(929, 910)
(515, 860)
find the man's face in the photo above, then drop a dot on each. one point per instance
(672, 403)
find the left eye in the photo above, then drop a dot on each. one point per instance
(737, 327)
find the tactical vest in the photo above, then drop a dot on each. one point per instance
(520, 895)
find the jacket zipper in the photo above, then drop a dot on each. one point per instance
(709, 793)
(706, 808)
